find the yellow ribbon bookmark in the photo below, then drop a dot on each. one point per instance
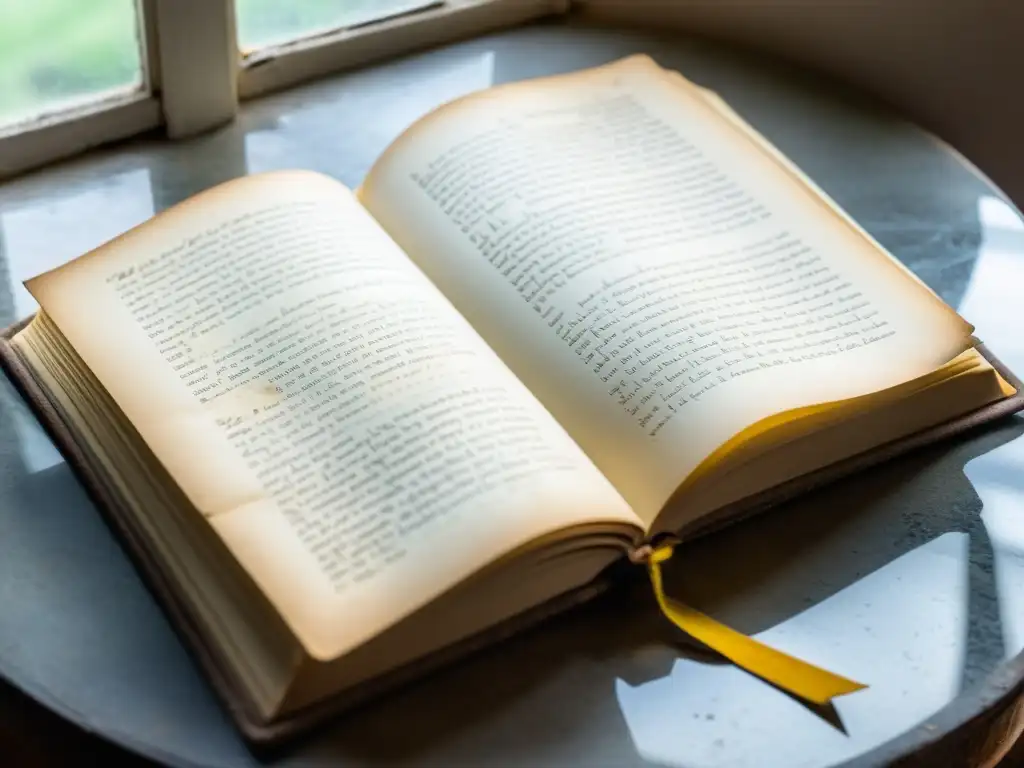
(797, 677)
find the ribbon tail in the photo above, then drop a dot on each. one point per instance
(797, 677)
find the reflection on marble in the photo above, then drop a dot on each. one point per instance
(998, 478)
(995, 289)
(910, 576)
(905, 618)
(37, 452)
(52, 231)
(991, 302)
(291, 141)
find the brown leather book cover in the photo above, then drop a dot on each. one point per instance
(262, 734)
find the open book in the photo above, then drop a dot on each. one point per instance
(559, 318)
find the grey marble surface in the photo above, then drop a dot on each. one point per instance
(909, 576)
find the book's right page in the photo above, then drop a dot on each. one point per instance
(652, 274)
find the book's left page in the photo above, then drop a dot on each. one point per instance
(356, 445)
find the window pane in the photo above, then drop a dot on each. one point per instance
(270, 22)
(56, 54)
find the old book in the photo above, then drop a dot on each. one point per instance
(351, 434)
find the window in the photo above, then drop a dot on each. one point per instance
(78, 73)
(73, 74)
(59, 54)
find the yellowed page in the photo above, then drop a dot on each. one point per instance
(652, 275)
(722, 107)
(354, 442)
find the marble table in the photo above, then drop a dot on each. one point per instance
(910, 575)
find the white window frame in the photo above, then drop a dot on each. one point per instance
(69, 131)
(195, 76)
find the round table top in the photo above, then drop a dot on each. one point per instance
(911, 572)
